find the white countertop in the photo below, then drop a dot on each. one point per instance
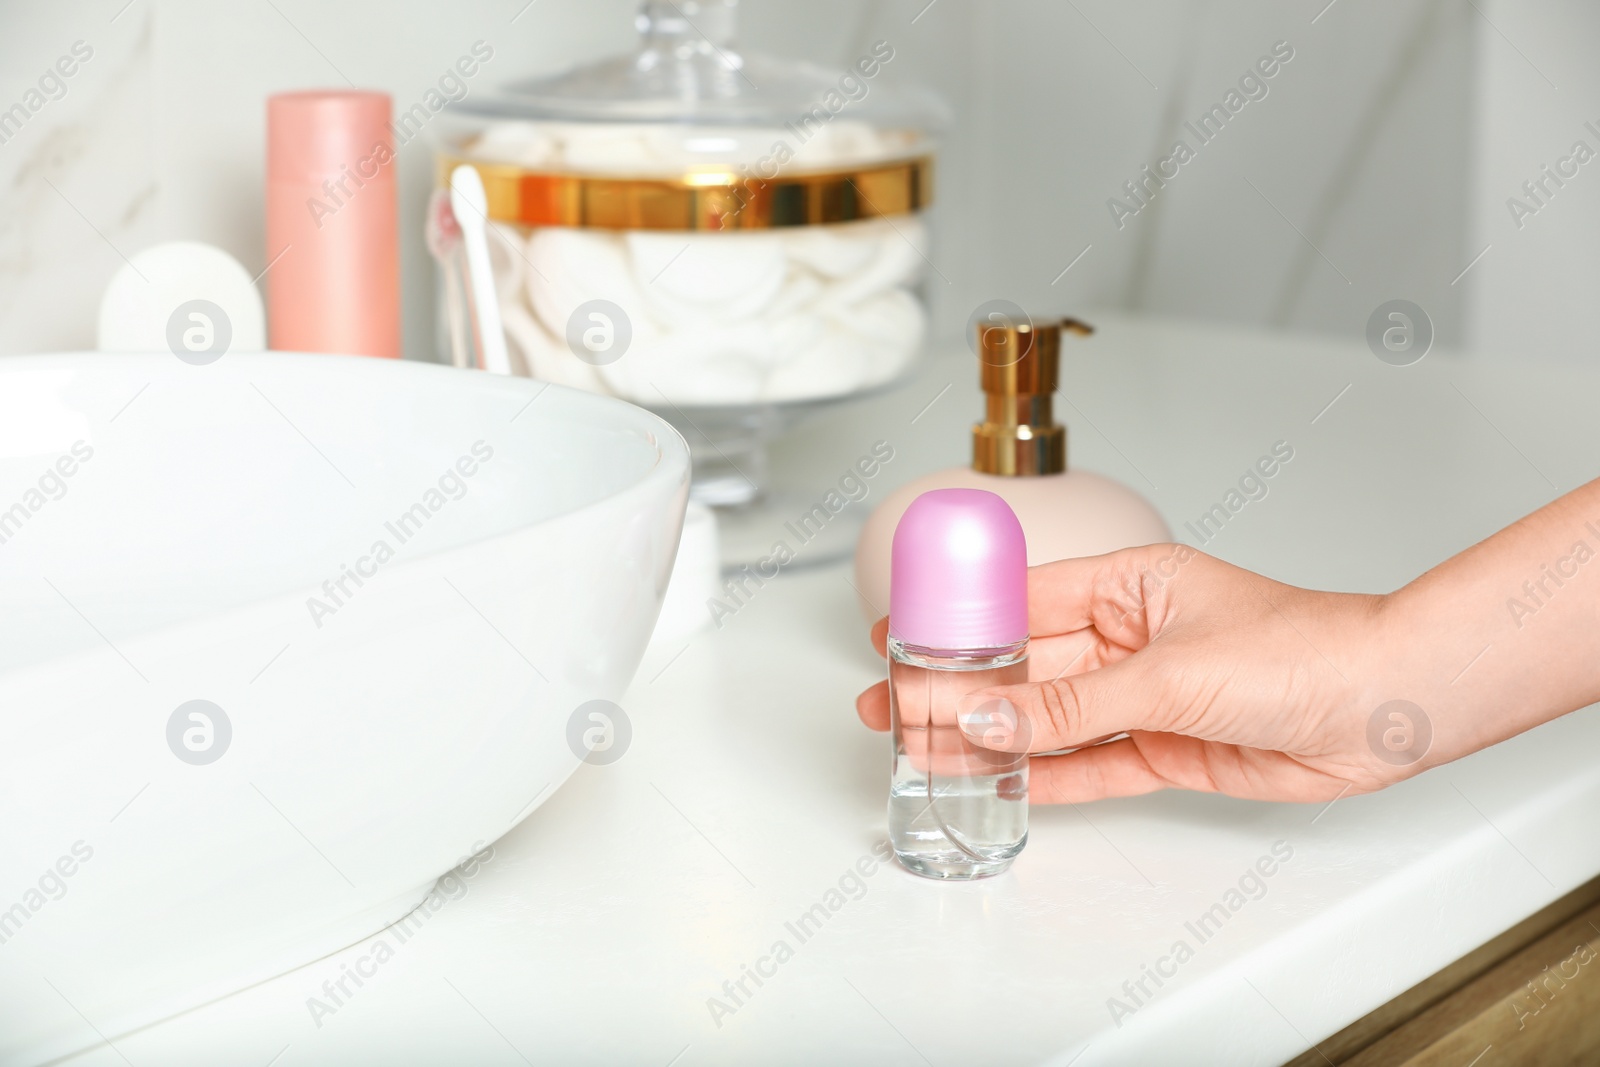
(605, 922)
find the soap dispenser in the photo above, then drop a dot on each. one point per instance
(1019, 453)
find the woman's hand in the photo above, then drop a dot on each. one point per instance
(1228, 682)
(1223, 680)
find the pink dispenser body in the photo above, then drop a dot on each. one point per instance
(1020, 455)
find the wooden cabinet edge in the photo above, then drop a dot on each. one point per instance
(1478, 994)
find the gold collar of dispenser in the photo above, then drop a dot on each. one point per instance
(1020, 371)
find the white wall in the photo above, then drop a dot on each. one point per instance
(83, 163)
(161, 137)
(1065, 102)
(1534, 292)
(1364, 144)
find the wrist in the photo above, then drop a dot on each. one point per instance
(1430, 693)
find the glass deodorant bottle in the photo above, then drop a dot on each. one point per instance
(958, 622)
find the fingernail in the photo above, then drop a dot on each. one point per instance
(988, 721)
(977, 719)
(974, 711)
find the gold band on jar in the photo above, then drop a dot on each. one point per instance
(704, 199)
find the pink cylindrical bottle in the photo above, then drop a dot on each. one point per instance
(958, 621)
(332, 224)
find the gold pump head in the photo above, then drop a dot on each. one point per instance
(1020, 369)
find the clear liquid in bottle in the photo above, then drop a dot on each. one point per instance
(956, 810)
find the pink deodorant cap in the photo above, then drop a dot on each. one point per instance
(958, 572)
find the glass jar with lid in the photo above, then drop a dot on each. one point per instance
(727, 239)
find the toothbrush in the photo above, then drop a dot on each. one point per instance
(470, 205)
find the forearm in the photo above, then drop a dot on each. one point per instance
(1505, 635)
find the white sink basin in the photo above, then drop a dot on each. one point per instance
(512, 543)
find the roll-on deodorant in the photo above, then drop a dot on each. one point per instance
(958, 622)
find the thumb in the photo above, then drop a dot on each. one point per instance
(1069, 712)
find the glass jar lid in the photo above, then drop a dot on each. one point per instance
(688, 132)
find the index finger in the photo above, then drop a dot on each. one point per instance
(1061, 595)
(1075, 594)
